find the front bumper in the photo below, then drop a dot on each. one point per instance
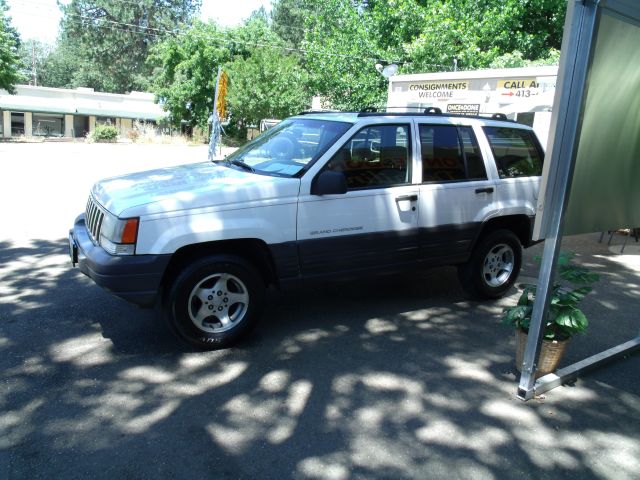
(135, 278)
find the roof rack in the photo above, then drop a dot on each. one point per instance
(433, 111)
(311, 112)
(429, 111)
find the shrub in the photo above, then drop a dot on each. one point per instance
(133, 135)
(104, 133)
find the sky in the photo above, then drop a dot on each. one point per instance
(39, 19)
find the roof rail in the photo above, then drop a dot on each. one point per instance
(310, 112)
(430, 111)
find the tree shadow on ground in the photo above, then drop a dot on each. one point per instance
(394, 377)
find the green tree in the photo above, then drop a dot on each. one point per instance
(288, 20)
(60, 68)
(268, 84)
(185, 71)
(342, 50)
(111, 39)
(476, 32)
(10, 63)
(52, 65)
(516, 59)
(33, 55)
(345, 38)
(186, 68)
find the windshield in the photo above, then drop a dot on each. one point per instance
(289, 147)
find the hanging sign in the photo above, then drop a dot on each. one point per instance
(463, 108)
(443, 90)
(223, 85)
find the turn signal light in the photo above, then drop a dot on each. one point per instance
(130, 231)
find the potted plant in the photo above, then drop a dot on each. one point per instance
(564, 319)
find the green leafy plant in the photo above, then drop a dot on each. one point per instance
(565, 318)
(104, 133)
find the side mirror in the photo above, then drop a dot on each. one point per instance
(329, 183)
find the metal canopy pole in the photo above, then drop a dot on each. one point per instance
(214, 120)
(570, 373)
(577, 49)
(572, 76)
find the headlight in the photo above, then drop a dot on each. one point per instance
(118, 235)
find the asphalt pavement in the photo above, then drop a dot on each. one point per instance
(390, 378)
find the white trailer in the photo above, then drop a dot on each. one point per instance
(523, 94)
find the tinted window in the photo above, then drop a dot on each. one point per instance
(516, 152)
(376, 156)
(450, 154)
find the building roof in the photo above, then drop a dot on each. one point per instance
(82, 101)
(540, 71)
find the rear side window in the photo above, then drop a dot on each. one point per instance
(516, 151)
(450, 154)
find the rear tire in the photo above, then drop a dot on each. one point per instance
(215, 301)
(494, 265)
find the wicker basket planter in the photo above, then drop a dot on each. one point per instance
(551, 353)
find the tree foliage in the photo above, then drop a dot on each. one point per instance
(10, 63)
(267, 84)
(185, 72)
(288, 20)
(345, 38)
(263, 80)
(110, 39)
(277, 62)
(341, 53)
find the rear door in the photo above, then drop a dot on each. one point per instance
(374, 225)
(456, 195)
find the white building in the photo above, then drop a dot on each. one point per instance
(523, 94)
(59, 112)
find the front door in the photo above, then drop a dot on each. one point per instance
(374, 225)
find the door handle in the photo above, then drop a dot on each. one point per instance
(484, 190)
(412, 198)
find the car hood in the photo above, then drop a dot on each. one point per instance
(187, 187)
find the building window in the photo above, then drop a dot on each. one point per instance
(48, 125)
(17, 124)
(80, 126)
(106, 121)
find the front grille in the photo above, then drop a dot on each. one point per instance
(93, 218)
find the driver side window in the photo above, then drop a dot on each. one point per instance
(375, 157)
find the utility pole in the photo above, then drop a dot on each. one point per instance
(34, 71)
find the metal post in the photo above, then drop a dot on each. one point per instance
(214, 119)
(34, 71)
(560, 162)
(571, 372)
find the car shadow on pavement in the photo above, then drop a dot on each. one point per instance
(393, 377)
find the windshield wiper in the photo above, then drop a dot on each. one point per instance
(241, 164)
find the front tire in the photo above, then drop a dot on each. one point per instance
(215, 301)
(494, 265)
